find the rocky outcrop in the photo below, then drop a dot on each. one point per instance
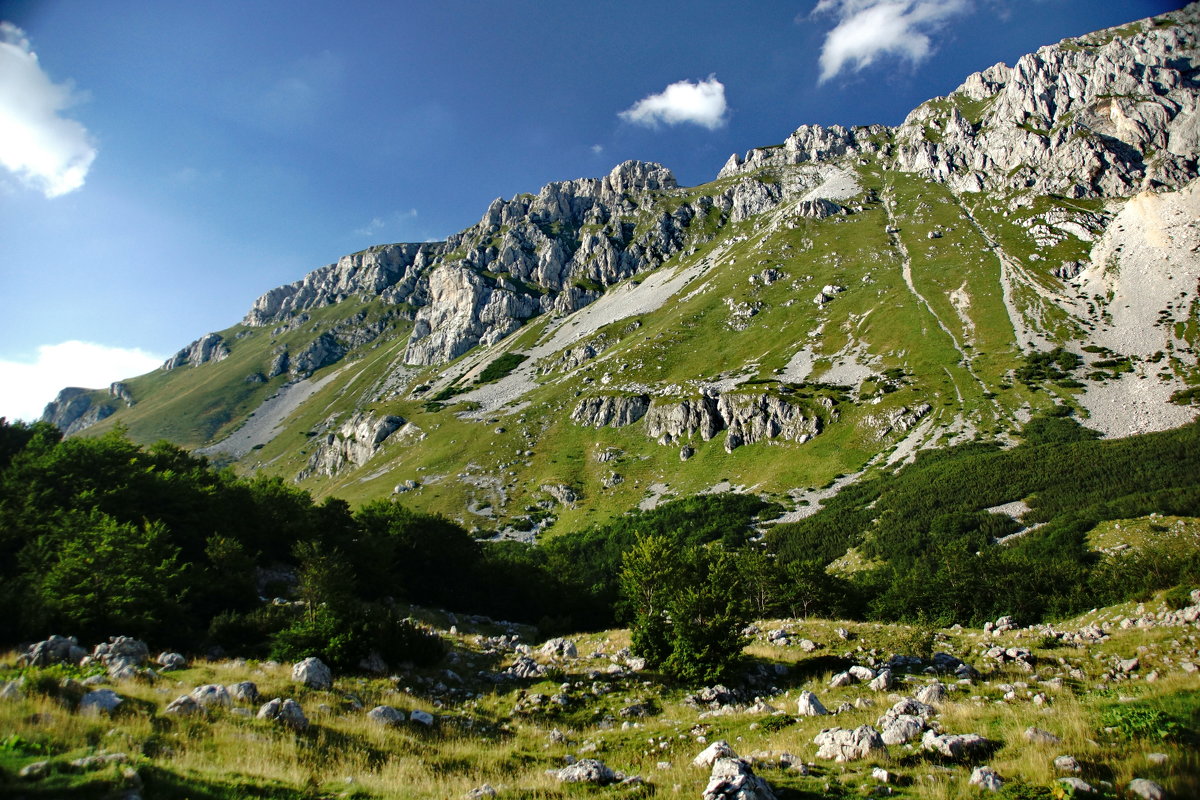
(610, 410)
(209, 347)
(73, 410)
(351, 445)
(748, 418)
(1105, 115)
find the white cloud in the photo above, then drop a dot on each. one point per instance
(597, 149)
(701, 103)
(378, 225)
(26, 387)
(48, 152)
(869, 29)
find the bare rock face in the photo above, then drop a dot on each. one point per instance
(747, 418)
(733, 779)
(73, 410)
(840, 744)
(1105, 115)
(610, 410)
(352, 444)
(209, 347)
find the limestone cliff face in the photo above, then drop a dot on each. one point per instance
(351, 444)
(747, 418)
(1105, 115)
(74, 409)
(209, 347)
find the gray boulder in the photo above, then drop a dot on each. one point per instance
(841, 745)
(55, 650)
(809, 706)
(932, 695)
(313, 673)
(212, 695)
(733, 779)
(243, 692)
(957, 746)
(100, 701)
(1146, 789)
(284, 712)
(717, 750)
(586, 770)
(986, 778)
(423, 717)
(386, 716)
(183, 706)
(902, 728)
(171, 661)
(561, 648)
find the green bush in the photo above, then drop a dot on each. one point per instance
(1178, 597)
(1137, 721)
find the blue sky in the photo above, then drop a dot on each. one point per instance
(164, 163)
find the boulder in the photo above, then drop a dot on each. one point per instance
(100, 701)
(34, 771)
(709, 756)
(561, 648)
(882, 681)
(1067, 764)
(733, 779)
(284, 712)
(423, 717)
(1077, 786)
(171, 661)
(183, 706)
(840, 744)
(932, 695)
(212, 695)
(313, 673)
(986, 778)
(902, 728)
(586, 770)
(386, 715)
(1146, 789)
(840, 680)
(1039, 736)
(957, 746)
(55, 650)
(243, 691)
(809, 706)
(863, 674)
(122, 656)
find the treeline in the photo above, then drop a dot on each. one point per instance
(924, 530)
(100, 536)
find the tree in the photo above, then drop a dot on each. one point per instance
(106, 577)
(688, 608)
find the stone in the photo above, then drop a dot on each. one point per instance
(34, 771)
(100, 701)
(717, 750)
(840, 744)
(313, 673)
(122, 656)
(882, 681)
(183, 706)
(840, 680)
(386, 715)
(807, 705)
(212, 695)
(733, 779)
(931, 695)
(1067, 764)
(1077, 785)
(1146, 789)
(284, 712)
(559, 648)
(486, 790)
(1039, 736)
(960, 746)
(882, 775)
(423, 717)
(243, 691)
(171, 661)
(586, 770)
(1157, 759)
(54, 650)
(986, 778)
(863, 674)
(901, 729)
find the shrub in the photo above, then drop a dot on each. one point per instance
(1142, 722)
(1177, 598)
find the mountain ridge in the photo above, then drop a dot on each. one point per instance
(996, 222)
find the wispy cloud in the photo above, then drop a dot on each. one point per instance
(300, 97)
(701, 103)
(597, 149)
(26, 386)
(45, 150)
(379, 225)
(867, 30)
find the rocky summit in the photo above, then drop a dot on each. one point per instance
(829, 305)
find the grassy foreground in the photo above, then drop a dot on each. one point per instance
(1119, 725)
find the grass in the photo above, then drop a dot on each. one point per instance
(494, 733)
